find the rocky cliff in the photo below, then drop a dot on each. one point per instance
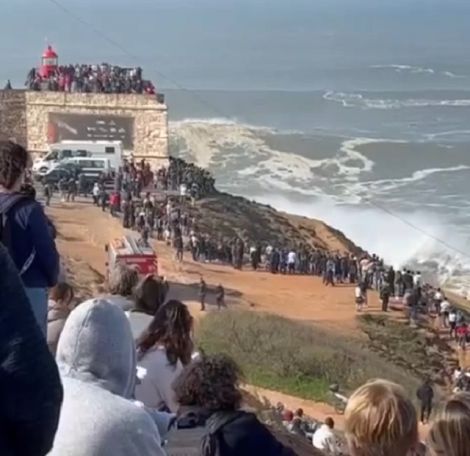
(222, 214)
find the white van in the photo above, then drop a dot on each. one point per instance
(111, 150)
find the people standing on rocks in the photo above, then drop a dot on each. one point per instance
(25, 232)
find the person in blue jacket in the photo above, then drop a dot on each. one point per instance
(25, 231)
(30, 388)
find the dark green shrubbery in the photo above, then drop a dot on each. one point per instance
(294, 358)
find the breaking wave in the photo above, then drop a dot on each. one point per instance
(249, 161)
(247, 149)
(413, 69)
(357, 100)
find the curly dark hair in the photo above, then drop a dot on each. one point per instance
(212, 382)
(13, 162)
(150, 294)
(171, 327)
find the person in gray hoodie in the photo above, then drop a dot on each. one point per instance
(97, 362)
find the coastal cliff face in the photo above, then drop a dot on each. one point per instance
(226, 215)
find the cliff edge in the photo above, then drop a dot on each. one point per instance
(228, 216)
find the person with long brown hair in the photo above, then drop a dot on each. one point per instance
(149, 295)
(163, 350)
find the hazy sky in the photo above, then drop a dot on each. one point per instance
(199, 42)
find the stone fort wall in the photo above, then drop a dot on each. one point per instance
(25, 117)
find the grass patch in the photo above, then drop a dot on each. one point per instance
(301, 386)
(288, 356)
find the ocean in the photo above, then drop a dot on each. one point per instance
(353, 111)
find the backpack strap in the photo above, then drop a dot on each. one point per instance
(210, 444)
(5, 229)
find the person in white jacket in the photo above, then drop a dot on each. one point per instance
(163, 350)
(97, 363)
(324, 438)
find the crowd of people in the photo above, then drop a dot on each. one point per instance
(102, 78)
(127, 377)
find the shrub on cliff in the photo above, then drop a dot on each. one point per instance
(291, 357)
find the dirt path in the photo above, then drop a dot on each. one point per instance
(83, 231)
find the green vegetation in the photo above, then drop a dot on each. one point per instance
(288, 356)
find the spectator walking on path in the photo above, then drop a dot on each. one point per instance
(97, 361)
(425, 395)
(202, 293)
(25, 231)
(220, 296)
(31, 393)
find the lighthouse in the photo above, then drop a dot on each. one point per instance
(49, 62)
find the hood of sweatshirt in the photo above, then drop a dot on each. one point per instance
(96, 346)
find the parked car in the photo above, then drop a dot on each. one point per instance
(53, 176)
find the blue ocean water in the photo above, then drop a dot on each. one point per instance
(356, 111)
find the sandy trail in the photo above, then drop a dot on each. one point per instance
(84, 230)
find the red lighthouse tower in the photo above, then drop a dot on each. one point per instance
(49, 62)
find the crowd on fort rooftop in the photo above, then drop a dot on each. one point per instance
(120, 375)
(100, 78)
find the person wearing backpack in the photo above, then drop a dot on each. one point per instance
(210, 420)
(25, 231)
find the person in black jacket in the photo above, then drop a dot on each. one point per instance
(30, 387)
(25, 230)
(210, 385)
(425, 395)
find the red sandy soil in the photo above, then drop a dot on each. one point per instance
(84, 231)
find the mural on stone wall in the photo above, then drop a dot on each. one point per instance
(90, 127)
